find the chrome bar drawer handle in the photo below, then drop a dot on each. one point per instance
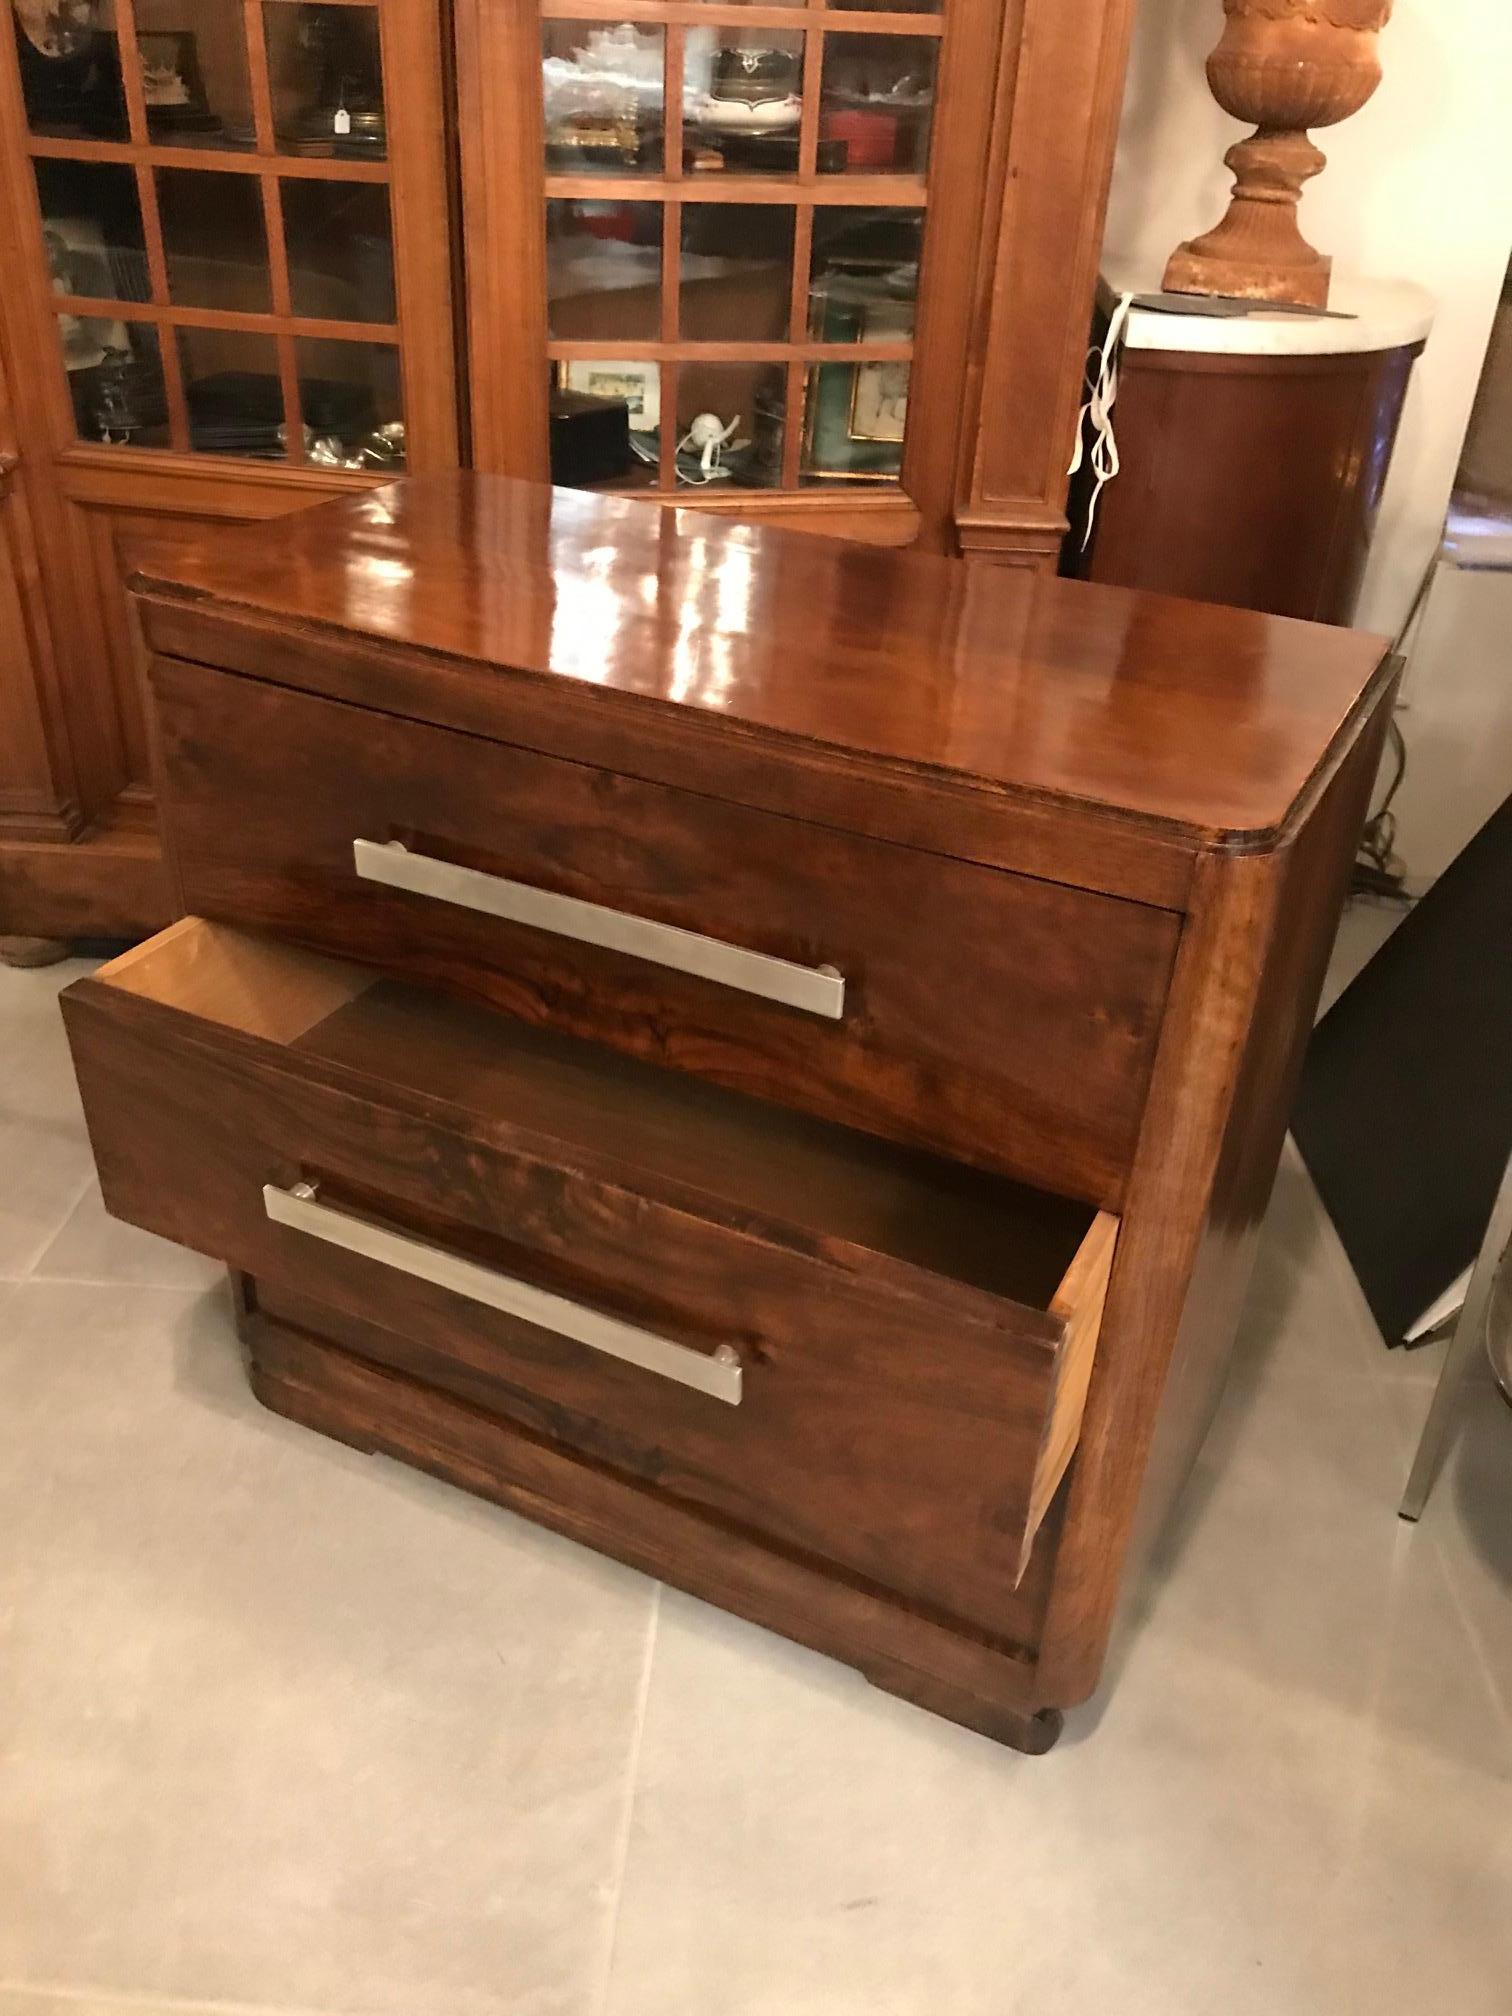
(818, 989)
(718, 1375)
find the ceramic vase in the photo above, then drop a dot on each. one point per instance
(1285, 66)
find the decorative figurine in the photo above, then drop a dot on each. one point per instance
(58, 28)
(173, 85)
(750, 91)
(603, 104)
(383, 448)
(706, 438)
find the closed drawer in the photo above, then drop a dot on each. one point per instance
(849, 1349)
(1007, 1021)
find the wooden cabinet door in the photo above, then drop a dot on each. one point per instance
(757, 225)
(837, 256)
(225, 230)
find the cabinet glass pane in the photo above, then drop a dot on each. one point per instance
(603, 94)
(742, 100)
(70, 66)
(876, 102)
(194, 72)
(325, 66)
(729, 425)
(864, 274)
(92, 229)
(115, 377)
(737, 272)
(853, 422)
(215, 240)
(232, 385)
(341, 250)
(603, 271)
(352, 404)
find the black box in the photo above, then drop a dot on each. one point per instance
(590, 438)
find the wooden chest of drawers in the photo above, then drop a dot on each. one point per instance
(764, 1056)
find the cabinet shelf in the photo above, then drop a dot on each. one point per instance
(904, 192)
(815, 17)
(733, 353)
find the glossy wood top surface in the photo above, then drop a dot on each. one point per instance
(1206, 718)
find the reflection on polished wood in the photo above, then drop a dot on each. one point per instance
(1202, 722)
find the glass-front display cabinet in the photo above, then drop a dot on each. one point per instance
(754, 233)
(226, 237)
(828, 263)
(734, 232)
(215, 193)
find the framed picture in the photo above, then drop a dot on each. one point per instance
(857, 413)
(879, 402)
(171, 81)
(636, 382)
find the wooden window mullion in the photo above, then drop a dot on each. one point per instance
(152, 226)
(671, 279)
(259, 80)
(796, 393)
(667, 471)
(266, 140)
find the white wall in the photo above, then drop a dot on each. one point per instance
(1418, 186)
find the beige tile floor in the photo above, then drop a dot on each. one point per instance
(283, 1728)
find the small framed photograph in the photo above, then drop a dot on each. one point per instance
(856, 414)
(637, 383)
(879, 402)
(172, 85)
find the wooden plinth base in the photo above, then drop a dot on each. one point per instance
(984, 1686)
(1246, 278)
(24, 952)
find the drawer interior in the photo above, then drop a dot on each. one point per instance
(913, 1337)
(757, 1161)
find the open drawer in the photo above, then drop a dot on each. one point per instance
(849, 1349)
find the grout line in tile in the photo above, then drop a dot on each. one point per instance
(126, 1287)
(632, 1775)
(48, 1239)
(1429, 1531)
(119, 1287)
(142, 2003)
(1428, 1535)
(1494, 1685)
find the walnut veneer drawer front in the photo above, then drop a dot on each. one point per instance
(854, 1350)
(987, 1015)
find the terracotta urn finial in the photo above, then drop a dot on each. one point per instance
(1285, 65)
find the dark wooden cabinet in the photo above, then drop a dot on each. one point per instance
(1253, 452)
(265, 252)
(766, 1055)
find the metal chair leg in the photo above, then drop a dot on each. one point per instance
(1467, 1335)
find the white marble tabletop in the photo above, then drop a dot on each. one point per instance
(1369, 315)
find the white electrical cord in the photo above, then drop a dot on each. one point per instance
(1102, 391)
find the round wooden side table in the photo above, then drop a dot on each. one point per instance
(1253, 449)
